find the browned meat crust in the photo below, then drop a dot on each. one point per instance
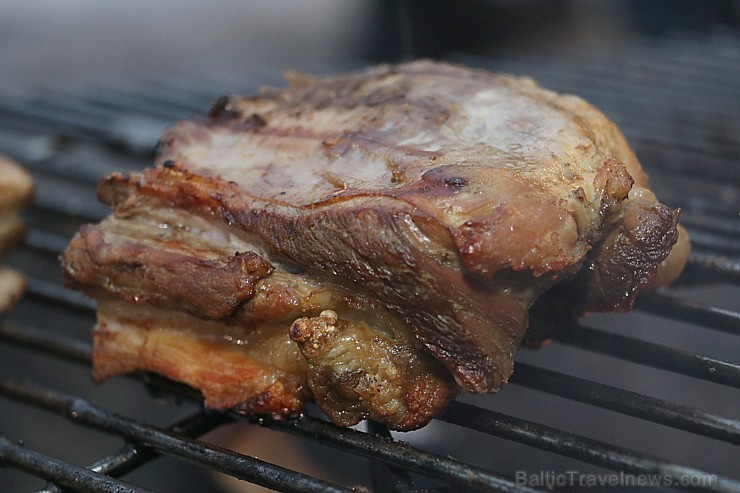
(210, 287)
(243, 358)
(258, 379)
(388, 384)
(387, 216)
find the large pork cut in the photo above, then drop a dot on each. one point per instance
(373, 241)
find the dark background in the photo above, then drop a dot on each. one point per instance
(594, 48)
(84, 41)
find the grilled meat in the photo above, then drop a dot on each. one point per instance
(12, 286)
(374, 241)
(16, 190)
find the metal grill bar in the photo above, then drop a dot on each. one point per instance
(170, 95)
(711, 267)
(88, 115)
(366, 445)
(63, 473)
(107, 104)
(604, 81)
(611, 398)
(516, 429)
(702, 203)
(50, 154)
(43, 340)
(626, 402)
(131, 456)
(121, 123)
(172, 107)
(714, 242)
(582, 448)
(132, 133)
(58, 168)
(63, 123)
(399, 454)
(627, 102)
(646, 353)
(605, 396)
(683, 68)
(46, 242)
(712, 223)
(712, 317)
(387, 477)
(53, 293)
(177, 102)
(655, 355)
(216, 458)
(52, 207)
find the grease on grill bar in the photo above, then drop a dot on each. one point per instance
(660, 374)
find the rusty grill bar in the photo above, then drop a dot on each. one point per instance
(69, 139)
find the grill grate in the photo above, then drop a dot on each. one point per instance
(687, 136)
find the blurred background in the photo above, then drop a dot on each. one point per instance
(82, 41)
(86, 86)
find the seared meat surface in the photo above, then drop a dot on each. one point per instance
(387, 231)
(176, 297)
